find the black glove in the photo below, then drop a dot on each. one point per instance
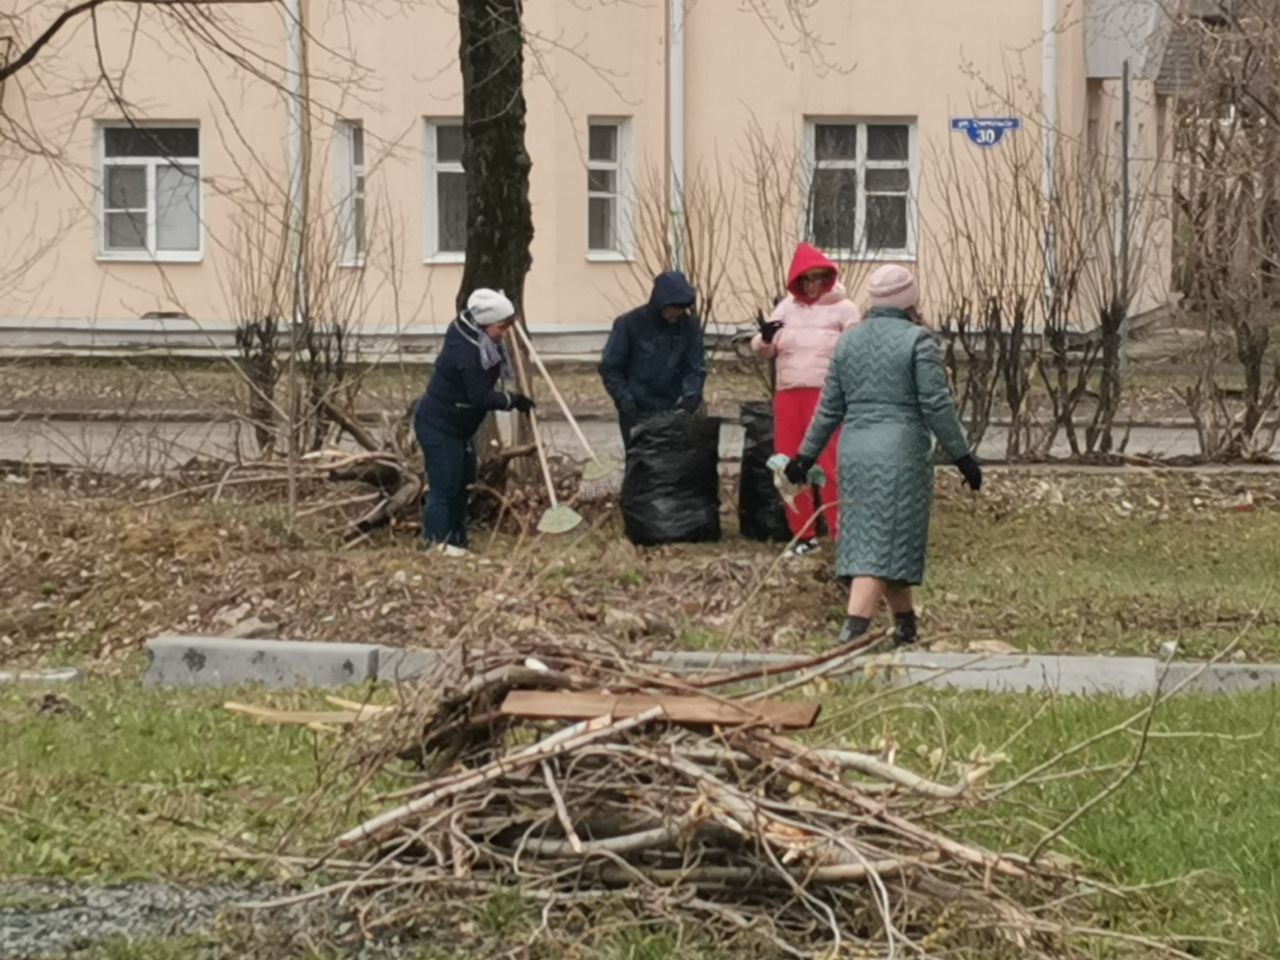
(520, 402)
(972, 472)
(690, 404)
(768, 328)
(797, 470)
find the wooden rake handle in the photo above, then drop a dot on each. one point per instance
(533, 424)
(555, 392)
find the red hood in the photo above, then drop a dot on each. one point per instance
(808, 258)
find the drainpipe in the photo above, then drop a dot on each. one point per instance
(294, 109)
(1126, 149)
(1126, 209)
(1049, 107)
(675, 129)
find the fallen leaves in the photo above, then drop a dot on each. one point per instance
(86, 570)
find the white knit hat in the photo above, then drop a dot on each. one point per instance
(488, 307)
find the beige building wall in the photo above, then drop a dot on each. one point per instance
(1150, 180)
(393, 67)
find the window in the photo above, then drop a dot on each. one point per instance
(608, 190)
(446, 216)
(150, 192)
(860, 197)
(349, 167)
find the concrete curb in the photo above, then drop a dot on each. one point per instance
(54, 675)
(188, 661)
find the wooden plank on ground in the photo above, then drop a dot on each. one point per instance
(371, 709)
(557, 705)
(300, 717)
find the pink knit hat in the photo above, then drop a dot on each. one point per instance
(893, 286)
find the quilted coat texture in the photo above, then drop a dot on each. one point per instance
(888, 389)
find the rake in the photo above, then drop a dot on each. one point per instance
(598, 468)
(559, 517)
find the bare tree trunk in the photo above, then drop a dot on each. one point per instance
(256, 340)
(1016, 357)
(499, 216)
(1100, 435)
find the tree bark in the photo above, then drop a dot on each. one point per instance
(499, 217)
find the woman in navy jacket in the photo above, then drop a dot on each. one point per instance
(462, 390)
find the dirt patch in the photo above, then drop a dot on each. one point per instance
(89, 573)
(91, 569)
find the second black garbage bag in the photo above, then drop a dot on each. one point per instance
(671, 488)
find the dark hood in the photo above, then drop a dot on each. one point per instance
(671, 289)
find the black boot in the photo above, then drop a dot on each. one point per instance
(905, 629)
(854, 627)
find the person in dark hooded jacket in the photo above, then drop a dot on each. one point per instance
(653, 361)
(463, 390)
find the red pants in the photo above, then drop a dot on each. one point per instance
(792, 411)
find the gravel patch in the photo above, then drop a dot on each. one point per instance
(41, 919)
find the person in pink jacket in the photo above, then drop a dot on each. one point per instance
(801, 336)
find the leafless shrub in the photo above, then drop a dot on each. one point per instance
(1228, 208)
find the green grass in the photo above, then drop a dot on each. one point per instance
(145, 784)
(158, 948)
(1122, 565)
(1083, 578)
(139, 784)
(1204, 805)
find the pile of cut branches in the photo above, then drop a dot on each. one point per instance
(360, 492)
(687, 798)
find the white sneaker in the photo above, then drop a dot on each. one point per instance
(455, 553)
(806, 547)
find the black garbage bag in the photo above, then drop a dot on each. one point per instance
(671, 487)
(761, 513)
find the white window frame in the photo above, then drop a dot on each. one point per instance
(623, 195)
(149, 164)
(431, 202)
(349, 185)
(861, 164)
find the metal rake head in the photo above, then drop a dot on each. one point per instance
(559, 519)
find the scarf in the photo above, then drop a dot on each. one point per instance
(491, 354)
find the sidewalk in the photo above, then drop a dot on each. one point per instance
(161, 441)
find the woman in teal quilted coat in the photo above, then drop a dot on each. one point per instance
(887, 390)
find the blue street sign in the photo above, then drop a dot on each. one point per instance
(986, 132)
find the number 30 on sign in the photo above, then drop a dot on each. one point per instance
(986, 132)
